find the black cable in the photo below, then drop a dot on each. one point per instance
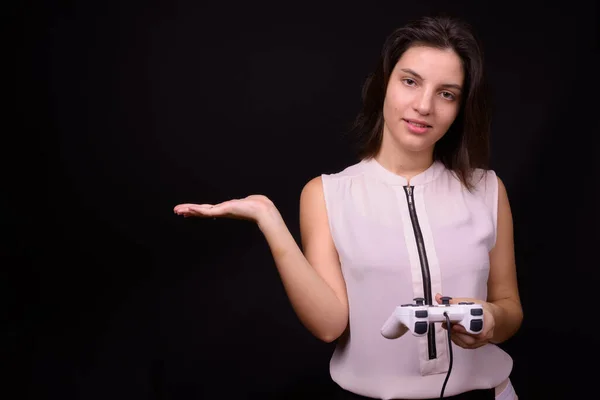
(448, 328)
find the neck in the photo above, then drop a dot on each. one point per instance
(402, 162)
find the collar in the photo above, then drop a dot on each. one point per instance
(374, 168)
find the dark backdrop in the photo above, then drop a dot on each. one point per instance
(121, 111)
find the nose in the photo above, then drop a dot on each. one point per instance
(423, 102)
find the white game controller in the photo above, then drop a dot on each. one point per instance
(417, 317)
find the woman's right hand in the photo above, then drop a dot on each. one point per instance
(253, 208)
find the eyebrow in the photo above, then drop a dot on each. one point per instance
(445, 85)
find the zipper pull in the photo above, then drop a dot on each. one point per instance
(410, 194)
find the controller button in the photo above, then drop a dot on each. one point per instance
(419, 300)
(407, 305)
(446, 300)
(466, 303)
(421, 313)
(476, 325)
(477, 311)
(420, 327)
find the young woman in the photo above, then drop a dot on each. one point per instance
(419, 216)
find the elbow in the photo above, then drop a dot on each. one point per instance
(517, 317)
(332, 334)
(519, 321)
(510, 323)
(328, 338)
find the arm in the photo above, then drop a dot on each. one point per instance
(313, 281)
(503, 291)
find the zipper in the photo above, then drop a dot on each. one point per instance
(424, 267)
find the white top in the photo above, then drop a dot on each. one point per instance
(378, 246)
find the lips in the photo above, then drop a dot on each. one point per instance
(417, 127)
(417, 123)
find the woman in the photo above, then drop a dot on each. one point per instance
(419, 216)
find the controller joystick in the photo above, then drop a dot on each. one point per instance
(446, 300)
(419, 301)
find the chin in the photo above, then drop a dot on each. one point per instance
(416, 144)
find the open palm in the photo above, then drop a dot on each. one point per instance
(249, 208)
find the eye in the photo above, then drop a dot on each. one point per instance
(448, 96)
(409, 82)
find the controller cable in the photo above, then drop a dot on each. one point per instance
(448, 328)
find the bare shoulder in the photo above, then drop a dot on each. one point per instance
(313, 212)
(312, 190)
(503, 202)
(501, 186)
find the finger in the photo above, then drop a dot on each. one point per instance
(459, 329)
(202, 207)
(466, 338)
(438, 298)
(475, 345)
(459, 342)
(180, 210)
(185, 207)
(467, 341)
(445, 325)
(195, 211)
(463, 339)
(483, 335)
(207, 211)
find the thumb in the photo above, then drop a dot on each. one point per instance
(453, 300)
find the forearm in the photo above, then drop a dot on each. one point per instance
(313, 300)
(508, 316)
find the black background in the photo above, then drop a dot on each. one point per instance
(119, 111)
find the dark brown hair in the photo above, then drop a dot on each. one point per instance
(465, 146)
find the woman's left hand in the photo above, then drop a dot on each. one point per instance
(466, 340)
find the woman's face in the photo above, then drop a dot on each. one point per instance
(422, 98)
